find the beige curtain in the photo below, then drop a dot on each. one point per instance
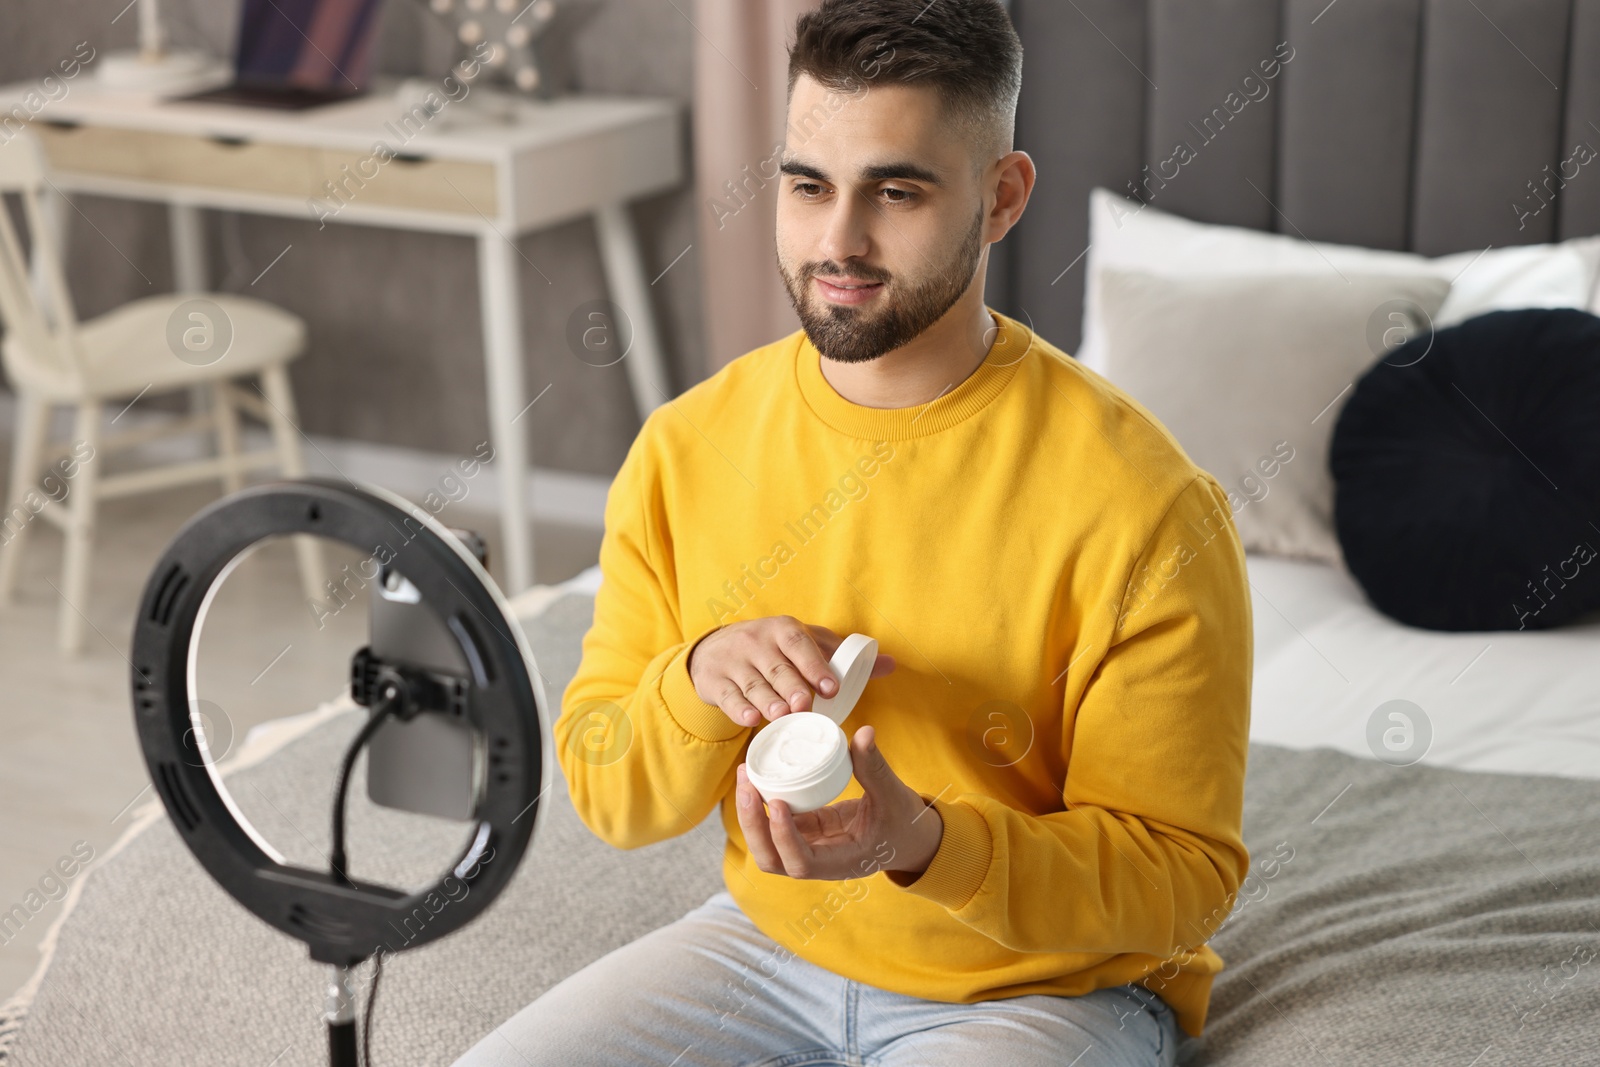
(741, 78)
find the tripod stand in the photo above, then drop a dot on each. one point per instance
(341, 1019)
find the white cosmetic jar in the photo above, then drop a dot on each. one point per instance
(803, 758)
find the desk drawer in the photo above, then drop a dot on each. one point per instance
(420, 184)
(303, 172)
(183, 159)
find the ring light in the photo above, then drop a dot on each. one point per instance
(341, 920)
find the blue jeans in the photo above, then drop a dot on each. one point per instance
(702, 992)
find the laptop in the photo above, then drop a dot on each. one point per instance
(295, 54)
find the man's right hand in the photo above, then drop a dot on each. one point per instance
(767, 667)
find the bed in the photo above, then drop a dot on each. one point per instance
(1437, 909)
(1409, 128)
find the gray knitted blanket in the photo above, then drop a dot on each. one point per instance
(1395, 916)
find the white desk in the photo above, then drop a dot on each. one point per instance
(469, 175)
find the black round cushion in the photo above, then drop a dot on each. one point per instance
(1466, 468)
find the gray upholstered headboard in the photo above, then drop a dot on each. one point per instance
(1421, 125)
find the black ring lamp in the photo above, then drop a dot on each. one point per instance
(341, 920)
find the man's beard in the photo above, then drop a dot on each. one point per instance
(855, 334)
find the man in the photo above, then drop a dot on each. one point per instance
(1044, 826)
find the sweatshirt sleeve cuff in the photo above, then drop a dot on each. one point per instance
(706, 722)
(961, 863)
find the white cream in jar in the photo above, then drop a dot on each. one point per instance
(803, 758)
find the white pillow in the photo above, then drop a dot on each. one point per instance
(1247, 371)
(1122, 233)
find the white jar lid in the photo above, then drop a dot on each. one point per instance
(852, 664)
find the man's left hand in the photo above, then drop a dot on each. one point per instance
(844, 840)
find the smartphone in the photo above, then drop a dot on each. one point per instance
(433, 764)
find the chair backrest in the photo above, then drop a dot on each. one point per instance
(35, 304)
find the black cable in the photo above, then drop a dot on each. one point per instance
(372, 997)
(389, 701)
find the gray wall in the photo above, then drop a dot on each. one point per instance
(395, 350)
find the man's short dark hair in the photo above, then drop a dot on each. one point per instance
(967, 49)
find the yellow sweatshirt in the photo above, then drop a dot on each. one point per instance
(1064, 595)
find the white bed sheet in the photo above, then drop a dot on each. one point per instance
(1515, 702)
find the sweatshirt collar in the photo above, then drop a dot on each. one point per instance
(1012, 342)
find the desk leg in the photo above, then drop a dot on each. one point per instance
(502, 340)
(624, 267)
(190, 269)
(190, 272)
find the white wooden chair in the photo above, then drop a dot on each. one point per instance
(53, 359)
